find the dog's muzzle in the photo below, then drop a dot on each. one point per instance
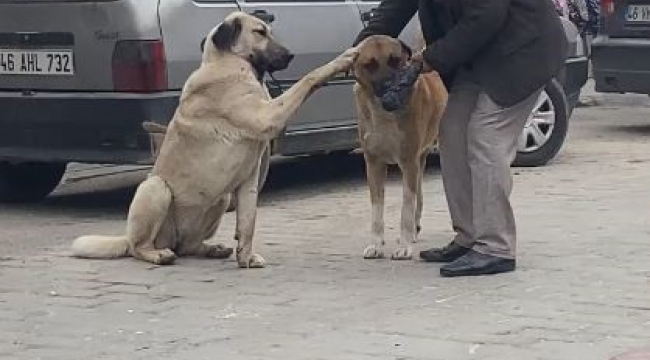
(281, 62)
(394, 93)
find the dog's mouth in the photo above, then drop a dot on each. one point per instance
(264, 63)
(280, 63)
(395, 92)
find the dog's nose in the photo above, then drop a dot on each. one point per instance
(288, 57)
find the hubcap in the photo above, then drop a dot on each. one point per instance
(539, 125)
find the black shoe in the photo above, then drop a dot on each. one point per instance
(475, 263)
(446, 254)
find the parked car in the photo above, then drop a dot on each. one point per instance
(621, 51)
(78, 79)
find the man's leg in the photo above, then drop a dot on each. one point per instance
(456, 173)
(492, 143)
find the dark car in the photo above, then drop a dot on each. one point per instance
(621, 52)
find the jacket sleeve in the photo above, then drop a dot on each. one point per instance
(480, 22)
(389, 18)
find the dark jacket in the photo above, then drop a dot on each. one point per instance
(512, 47)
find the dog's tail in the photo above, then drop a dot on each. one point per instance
(100, 247)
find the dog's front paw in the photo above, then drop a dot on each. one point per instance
(403, 253)
(255, 261)
(344, 61)
(165, 257)
(373, 252)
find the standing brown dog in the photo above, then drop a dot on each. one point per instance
(403, 137)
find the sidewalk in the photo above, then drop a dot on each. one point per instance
(582, 290)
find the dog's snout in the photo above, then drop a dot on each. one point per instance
(281, 59)
(382, 85)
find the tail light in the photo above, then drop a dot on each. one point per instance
(607, 7)
(139, 66)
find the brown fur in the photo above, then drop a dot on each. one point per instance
(404, 137)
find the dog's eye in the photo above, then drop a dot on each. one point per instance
(393, 61)
(371, 66)
(261, 32)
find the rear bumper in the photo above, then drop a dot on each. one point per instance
(574, 78)
(621, 65)
(82, 127)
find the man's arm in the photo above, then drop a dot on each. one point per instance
(389, 18)
(481, 21)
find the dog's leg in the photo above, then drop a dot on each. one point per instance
(198, 247)
(147, 214)
(420, 199)
(245, 224)
(410, 174)
(267, 118)
(376, 173)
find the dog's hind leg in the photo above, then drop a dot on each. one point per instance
(410, 175)
(148, 211)
(376, 174)
(199, 247)
(420, 198)
(246, 216)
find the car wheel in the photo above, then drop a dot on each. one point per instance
(28, 182)
(265, 163)
(545, 128)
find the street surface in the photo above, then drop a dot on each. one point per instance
(581, 292)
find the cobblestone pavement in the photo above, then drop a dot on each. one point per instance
(581, 292)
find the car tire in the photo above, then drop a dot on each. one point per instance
(545, 130)
(265, 163)
(28, 182)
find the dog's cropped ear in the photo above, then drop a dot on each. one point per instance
(227, 34)
(406, 50)
(203, 44)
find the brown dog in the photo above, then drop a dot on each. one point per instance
(403, 137)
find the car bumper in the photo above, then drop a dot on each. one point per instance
(82, 127)
(621, 65)
(574, 78)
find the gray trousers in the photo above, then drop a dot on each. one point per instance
(478, 141)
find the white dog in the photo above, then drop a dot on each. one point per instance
(212, 149)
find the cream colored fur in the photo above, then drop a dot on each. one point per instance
(211, 149)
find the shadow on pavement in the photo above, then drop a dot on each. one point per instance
(632, 129)
(288, 178)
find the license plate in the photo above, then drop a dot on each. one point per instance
(36, 62)
(638, 14)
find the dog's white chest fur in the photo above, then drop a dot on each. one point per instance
(383, 138)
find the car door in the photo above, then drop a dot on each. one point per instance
(184, 24)
(316, 32)
(410, 35)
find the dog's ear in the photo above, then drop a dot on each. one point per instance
(203, 44)
(406, 49)
(227, 34)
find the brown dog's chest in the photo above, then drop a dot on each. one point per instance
(384, 139)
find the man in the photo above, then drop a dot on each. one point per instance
(495, 57)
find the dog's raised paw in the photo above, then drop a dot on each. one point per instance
(403, 253)
(373, 252)
(255, 262)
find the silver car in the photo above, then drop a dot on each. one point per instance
(79, 77)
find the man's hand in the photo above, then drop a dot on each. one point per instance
(418, 57)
